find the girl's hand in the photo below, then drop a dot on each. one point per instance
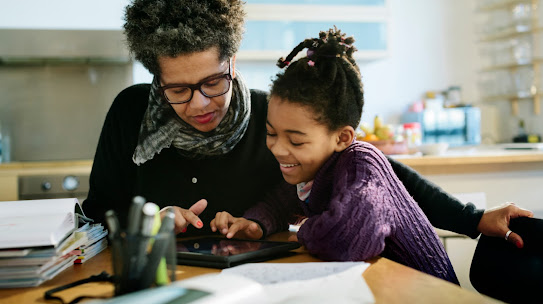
(294, 237)
(239, 227)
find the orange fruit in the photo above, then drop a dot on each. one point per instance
(370, 137)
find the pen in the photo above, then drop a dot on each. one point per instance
(147, 230)
(113, 224)
(157, 262)
(119, 264)
(133, 240)
(151, 219)
(134, 215)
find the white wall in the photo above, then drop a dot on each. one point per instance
(62, 14)
(432, 45)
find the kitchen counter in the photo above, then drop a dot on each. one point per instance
(480, 159)
(10, 173)
(474, 159)
(45, 165)
(454, 156)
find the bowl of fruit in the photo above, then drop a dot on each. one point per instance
(383, 137)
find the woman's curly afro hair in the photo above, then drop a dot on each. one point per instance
(157, 28)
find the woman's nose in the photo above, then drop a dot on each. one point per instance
(199, 101)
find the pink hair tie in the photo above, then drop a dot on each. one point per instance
(311, 63)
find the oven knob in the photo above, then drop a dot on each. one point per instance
(46, 186)
(70, 183)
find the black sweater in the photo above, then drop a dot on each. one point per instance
(232, 182)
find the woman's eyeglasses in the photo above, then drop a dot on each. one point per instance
(216, 86)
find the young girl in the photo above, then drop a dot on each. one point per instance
(356, 207)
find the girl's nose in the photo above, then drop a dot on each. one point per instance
(278, 149)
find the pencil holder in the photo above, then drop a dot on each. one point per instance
(140, 262)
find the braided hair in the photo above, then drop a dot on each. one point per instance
(327, 80)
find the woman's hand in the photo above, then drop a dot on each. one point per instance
(495, 222)
(185, 217)
(239, 227)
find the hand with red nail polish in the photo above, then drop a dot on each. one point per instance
(185, 217)
(495, 222)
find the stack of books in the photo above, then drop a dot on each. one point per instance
(41, 238)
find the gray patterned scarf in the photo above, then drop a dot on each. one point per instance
(161, 127)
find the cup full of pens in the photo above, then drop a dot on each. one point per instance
(143, 254)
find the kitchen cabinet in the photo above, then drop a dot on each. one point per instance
(11, 172)
(8, 188)
(511, 41)
(274, 28)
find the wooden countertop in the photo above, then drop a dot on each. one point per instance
(481, 155)
(389, 282)
(478, 155)
(46, 167)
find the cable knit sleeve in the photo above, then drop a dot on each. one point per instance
(278, 208)
(354, 224)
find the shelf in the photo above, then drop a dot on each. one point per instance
(511, 33)
(502, 5)
(514, 99)
(506, 37)
(510, 97)
(513, 66)
(272, 30)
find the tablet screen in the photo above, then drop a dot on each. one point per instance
(223, 247)
(220, 252)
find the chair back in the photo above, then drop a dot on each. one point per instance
(502, 271)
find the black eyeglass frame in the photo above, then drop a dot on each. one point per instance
(198, 86)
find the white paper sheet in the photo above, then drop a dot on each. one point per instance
(271, 273)
(323, 282)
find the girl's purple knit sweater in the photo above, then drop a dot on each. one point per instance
(358, 209)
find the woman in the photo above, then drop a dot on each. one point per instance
(196, 137)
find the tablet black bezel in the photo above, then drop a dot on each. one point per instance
(280, 249)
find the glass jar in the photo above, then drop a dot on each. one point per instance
(413, 135)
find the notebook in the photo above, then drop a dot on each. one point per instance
(33, 223)
(218, 252)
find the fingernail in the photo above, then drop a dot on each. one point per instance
(519, 245)
(184, 230)
(200, 224)
(224, 231)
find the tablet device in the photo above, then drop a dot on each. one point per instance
(218, 252)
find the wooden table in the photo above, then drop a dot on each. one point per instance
(389, 282)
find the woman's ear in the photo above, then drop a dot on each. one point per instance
(345, 137)
(233, 71)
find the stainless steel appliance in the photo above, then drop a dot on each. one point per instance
(53, 186)
(57, 86)
(455, 126)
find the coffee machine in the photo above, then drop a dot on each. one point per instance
(458, 126)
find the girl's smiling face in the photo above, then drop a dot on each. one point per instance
(300, 144)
